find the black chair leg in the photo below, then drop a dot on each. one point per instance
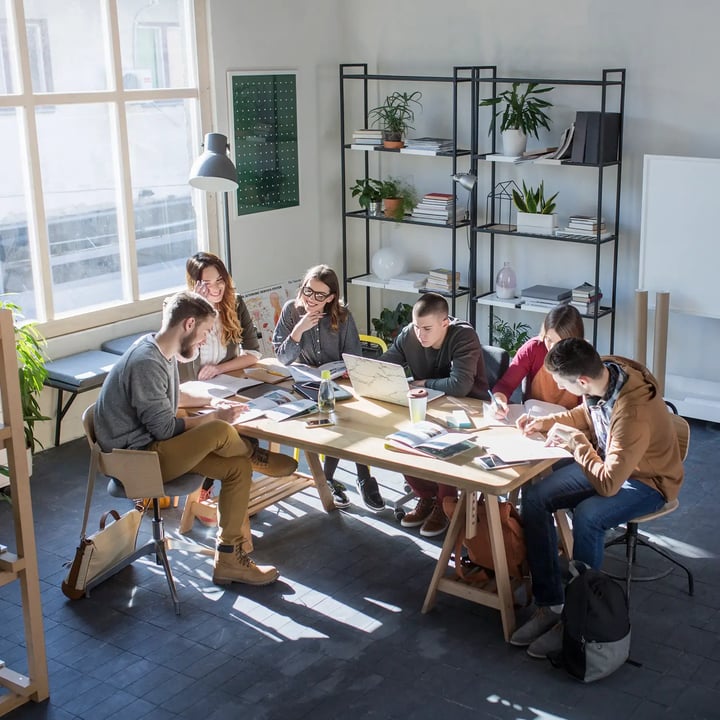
(161, 556)
(631, 538)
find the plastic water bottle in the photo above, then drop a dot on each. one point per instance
(326, 394)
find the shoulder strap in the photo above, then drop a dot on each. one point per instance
(90, 488)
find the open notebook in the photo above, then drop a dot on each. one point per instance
(380, 380)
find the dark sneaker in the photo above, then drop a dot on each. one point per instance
(418, 516)
(436, 522)
(543, 619)
(340, 498)
(272, 464)
(548, 643)
(370, 494)
(233, 564)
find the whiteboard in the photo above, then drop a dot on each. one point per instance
(679, 244)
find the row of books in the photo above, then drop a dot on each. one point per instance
(438, 208)
(586, 298)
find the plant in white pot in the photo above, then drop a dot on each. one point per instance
(523, 115)
(536, 213)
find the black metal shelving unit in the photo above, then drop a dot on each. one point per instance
(461, 76)
(612, 80)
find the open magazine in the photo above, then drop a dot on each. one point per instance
(277, 405)
(427, 438)
(221, 386)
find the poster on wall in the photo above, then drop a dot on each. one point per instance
(264, 139)
(264, 306)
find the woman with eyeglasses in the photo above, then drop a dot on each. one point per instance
(232, 344)
(316, 328)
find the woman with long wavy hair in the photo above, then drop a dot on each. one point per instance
(233, 343)
(316, 328)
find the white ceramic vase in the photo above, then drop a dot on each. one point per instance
(514, 142)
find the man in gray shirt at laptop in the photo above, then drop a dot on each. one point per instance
(443, 353)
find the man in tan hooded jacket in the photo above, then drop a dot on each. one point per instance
(627, 464)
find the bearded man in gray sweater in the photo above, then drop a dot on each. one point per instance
(137, 409)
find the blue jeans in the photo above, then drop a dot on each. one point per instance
(593, 515)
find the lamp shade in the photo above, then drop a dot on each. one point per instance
(214, 171)
(466, 180)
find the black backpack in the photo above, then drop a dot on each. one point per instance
(596, 625)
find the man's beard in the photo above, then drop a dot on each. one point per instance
(188, 350)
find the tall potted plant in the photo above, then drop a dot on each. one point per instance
(391, 322)
(524, 114)
(395, 115)
(29, 344)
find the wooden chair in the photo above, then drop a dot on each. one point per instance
(631, 538)
(136, 474)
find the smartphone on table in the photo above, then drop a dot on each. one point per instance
(319, 422)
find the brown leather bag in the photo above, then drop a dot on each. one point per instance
(478, 547)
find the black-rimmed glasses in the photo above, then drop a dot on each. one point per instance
(319, 296)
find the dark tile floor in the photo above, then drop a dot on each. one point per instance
(341, 634)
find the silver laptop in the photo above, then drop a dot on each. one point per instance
(381, 380)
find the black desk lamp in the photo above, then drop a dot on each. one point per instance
(214, 171)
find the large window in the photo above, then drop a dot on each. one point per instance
(97, 139)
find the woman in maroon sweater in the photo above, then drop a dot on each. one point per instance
(563, 321)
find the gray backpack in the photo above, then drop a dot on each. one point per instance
(596, 625)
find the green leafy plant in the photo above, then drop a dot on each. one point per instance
(523, 110)
(367, 191)
(534, 201)
(397, 113)
(29, 344)
(394, 188)
(391, 322)
(510, 337)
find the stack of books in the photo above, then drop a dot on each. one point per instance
(365, 139)
(584, 226)
(586, 298)
(438, 208)
(427, 146)
(440, 280)
(545, 296)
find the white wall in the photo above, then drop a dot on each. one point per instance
(669, 50)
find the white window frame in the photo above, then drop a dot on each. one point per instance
(26, 102)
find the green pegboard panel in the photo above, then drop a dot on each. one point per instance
(265, 132)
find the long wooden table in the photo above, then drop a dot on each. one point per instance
(358, 436)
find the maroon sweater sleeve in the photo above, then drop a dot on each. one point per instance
(526, 363)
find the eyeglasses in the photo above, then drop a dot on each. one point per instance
(319, 296)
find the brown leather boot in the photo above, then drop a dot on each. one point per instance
(233, 564)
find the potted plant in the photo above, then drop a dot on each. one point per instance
(368, 191)
(536, 214)
(391, 322)
(523, 115)
(510, 337)
(399, 198)
(29, 344)
(395, 116)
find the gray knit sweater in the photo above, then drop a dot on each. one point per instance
(317, 346)
(139, 399)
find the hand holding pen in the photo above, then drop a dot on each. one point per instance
(498, 405)
(529, 423)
